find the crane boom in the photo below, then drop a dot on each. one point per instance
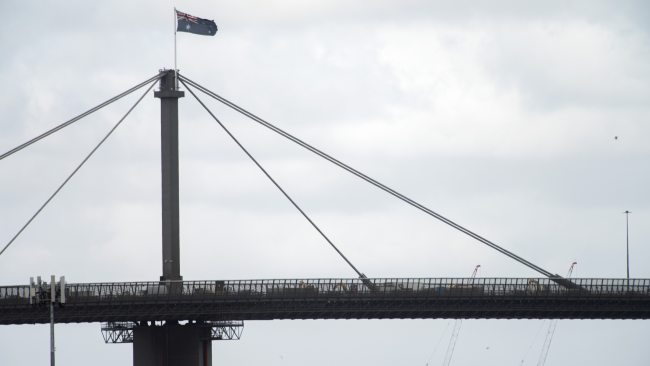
(456, 330)
(551, 329)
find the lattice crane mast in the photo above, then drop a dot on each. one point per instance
(456, 330)
(551, 329)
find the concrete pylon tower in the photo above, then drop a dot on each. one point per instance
(169, 95)
(170, 343)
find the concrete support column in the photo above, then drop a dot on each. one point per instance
(172, 345)
(169, 170)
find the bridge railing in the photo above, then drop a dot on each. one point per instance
(326, 288)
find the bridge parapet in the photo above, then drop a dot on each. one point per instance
(378, 298)
(127, 292)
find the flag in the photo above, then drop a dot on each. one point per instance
(192, 24)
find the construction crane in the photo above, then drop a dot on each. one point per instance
(456, 330)
(551, 329)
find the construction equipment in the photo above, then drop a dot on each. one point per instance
(551, 329)
(456, 330)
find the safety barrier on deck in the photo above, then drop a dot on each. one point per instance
(419, 287)
(330, 298)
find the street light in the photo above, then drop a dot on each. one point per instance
(627, 241)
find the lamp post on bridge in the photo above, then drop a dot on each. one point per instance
(627, 241)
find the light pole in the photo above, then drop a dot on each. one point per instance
(627, 241)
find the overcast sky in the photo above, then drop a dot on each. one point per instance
(526, 122)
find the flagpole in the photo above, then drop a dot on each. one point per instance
(175, 68)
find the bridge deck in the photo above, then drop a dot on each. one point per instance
(403, 298)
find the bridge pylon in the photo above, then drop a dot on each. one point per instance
(170, 344)
(169, 94)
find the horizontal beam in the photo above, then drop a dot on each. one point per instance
(405, 298)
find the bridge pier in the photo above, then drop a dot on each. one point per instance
(172, 345)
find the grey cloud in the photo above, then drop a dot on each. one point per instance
(471, 108)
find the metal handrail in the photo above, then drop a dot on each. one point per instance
(112, 292)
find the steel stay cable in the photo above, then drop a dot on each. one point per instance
(369, 179)
(77, 169)
(77, 118)
(361, 275)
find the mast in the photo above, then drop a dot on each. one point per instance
(169, 95)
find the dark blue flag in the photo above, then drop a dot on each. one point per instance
(192, 24)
